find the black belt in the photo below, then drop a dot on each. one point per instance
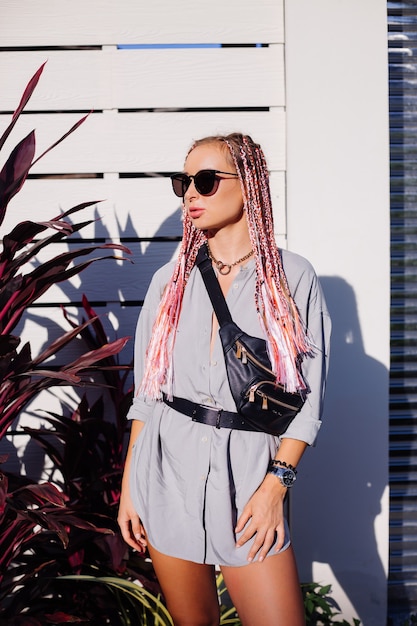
(207, 415)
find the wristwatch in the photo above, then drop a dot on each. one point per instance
(286, 476)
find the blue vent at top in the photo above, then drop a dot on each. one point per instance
(150, 46)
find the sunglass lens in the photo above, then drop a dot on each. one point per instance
(180, 184)
(205, 182)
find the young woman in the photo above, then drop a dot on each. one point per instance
(199, 496)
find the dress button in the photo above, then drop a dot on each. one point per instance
(204, 439)
(214, 363)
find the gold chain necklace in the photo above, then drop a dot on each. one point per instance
(226, 268)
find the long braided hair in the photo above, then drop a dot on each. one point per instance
(287, 339)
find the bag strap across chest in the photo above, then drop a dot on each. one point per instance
(213, 288)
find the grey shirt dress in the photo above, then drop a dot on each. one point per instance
(189, 481)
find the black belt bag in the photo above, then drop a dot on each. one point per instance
(264, 404)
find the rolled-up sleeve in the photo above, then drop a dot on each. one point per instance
(142, 408)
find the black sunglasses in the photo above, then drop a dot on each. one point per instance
(206, 182)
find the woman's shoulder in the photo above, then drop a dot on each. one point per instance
(296, 265)
(160, 279)
(302, 279)
(164, 273)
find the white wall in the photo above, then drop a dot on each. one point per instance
(338, 216)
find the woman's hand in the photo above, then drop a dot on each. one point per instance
(130, 525)
(263, 517)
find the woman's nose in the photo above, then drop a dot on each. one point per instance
(191, 192)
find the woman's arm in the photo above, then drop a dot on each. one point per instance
(128, 519)
(263, 515)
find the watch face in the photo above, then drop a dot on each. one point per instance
(288, 478)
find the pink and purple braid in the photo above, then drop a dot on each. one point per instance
(287, 338)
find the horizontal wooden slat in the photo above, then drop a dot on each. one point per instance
(142, 142)
(58, 23)
(137, 79)
(110, 280)
(131, 207)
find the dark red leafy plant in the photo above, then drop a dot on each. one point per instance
(49, 530)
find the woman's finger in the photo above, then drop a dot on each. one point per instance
(257, 544)
(248, 533)
(125, 529)
(133, 532)
(267, 544)
(280, 530)
(243, 520)
(138, 531)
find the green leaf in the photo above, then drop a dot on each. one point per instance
(146, 598)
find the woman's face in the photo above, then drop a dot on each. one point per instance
(223, 208)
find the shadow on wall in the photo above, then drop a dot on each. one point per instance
(126, 283)
(342, 481)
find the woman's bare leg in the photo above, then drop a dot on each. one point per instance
(189, 590)
(267, 593)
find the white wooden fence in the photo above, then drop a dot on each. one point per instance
(308, 80)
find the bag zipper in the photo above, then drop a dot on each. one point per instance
(244, 355)
(254, 390)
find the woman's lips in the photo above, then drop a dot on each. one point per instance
(195, 212)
